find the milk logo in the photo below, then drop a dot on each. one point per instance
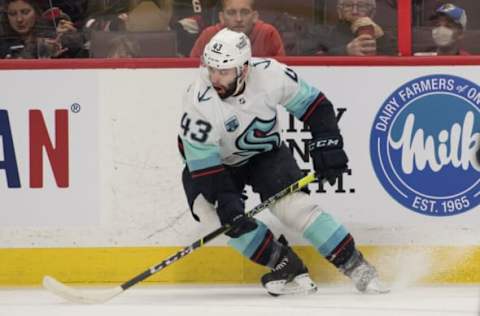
(423, 143)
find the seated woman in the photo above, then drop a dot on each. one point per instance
(27, 34)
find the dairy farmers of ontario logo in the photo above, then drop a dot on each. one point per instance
(423, 144)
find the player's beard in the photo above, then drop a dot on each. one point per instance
(225, 92)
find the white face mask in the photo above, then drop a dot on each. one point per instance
(442, 35)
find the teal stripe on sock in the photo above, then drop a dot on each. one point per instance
(332, 243)
(325, 233)
(248, 243)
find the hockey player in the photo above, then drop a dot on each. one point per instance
(230, 138)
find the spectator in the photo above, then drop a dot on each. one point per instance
(241, 16)
(24, 28)
(130, 15)
(189, 19)
(75, 9)
(355, 34)
(70, 39)
(106, 18)
(149, 15)
(449, 23)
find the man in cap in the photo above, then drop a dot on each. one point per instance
(242, 16)
(355, 33)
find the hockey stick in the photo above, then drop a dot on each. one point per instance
(104, 295)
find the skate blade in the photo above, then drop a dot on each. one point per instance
(301, 284)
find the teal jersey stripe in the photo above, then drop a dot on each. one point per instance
(248, 243)
(304, 97)
(201, 156)
(325, 233)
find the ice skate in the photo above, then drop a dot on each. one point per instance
(290, 276)
(365, 276)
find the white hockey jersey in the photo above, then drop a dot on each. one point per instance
(230, 131)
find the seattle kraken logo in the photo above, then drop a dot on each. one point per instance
(423, 144)
(256, 138)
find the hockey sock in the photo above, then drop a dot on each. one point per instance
(343, 253)
(330, 238)
(258, 245)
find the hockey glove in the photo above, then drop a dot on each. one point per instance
(329, 158)
(230, 210)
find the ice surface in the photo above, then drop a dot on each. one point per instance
(249, 300)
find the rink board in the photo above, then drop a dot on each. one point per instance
(111, 203)
(396, 264)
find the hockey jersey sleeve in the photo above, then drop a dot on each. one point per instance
(306, 102)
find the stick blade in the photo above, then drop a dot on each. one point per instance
(80, 296)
